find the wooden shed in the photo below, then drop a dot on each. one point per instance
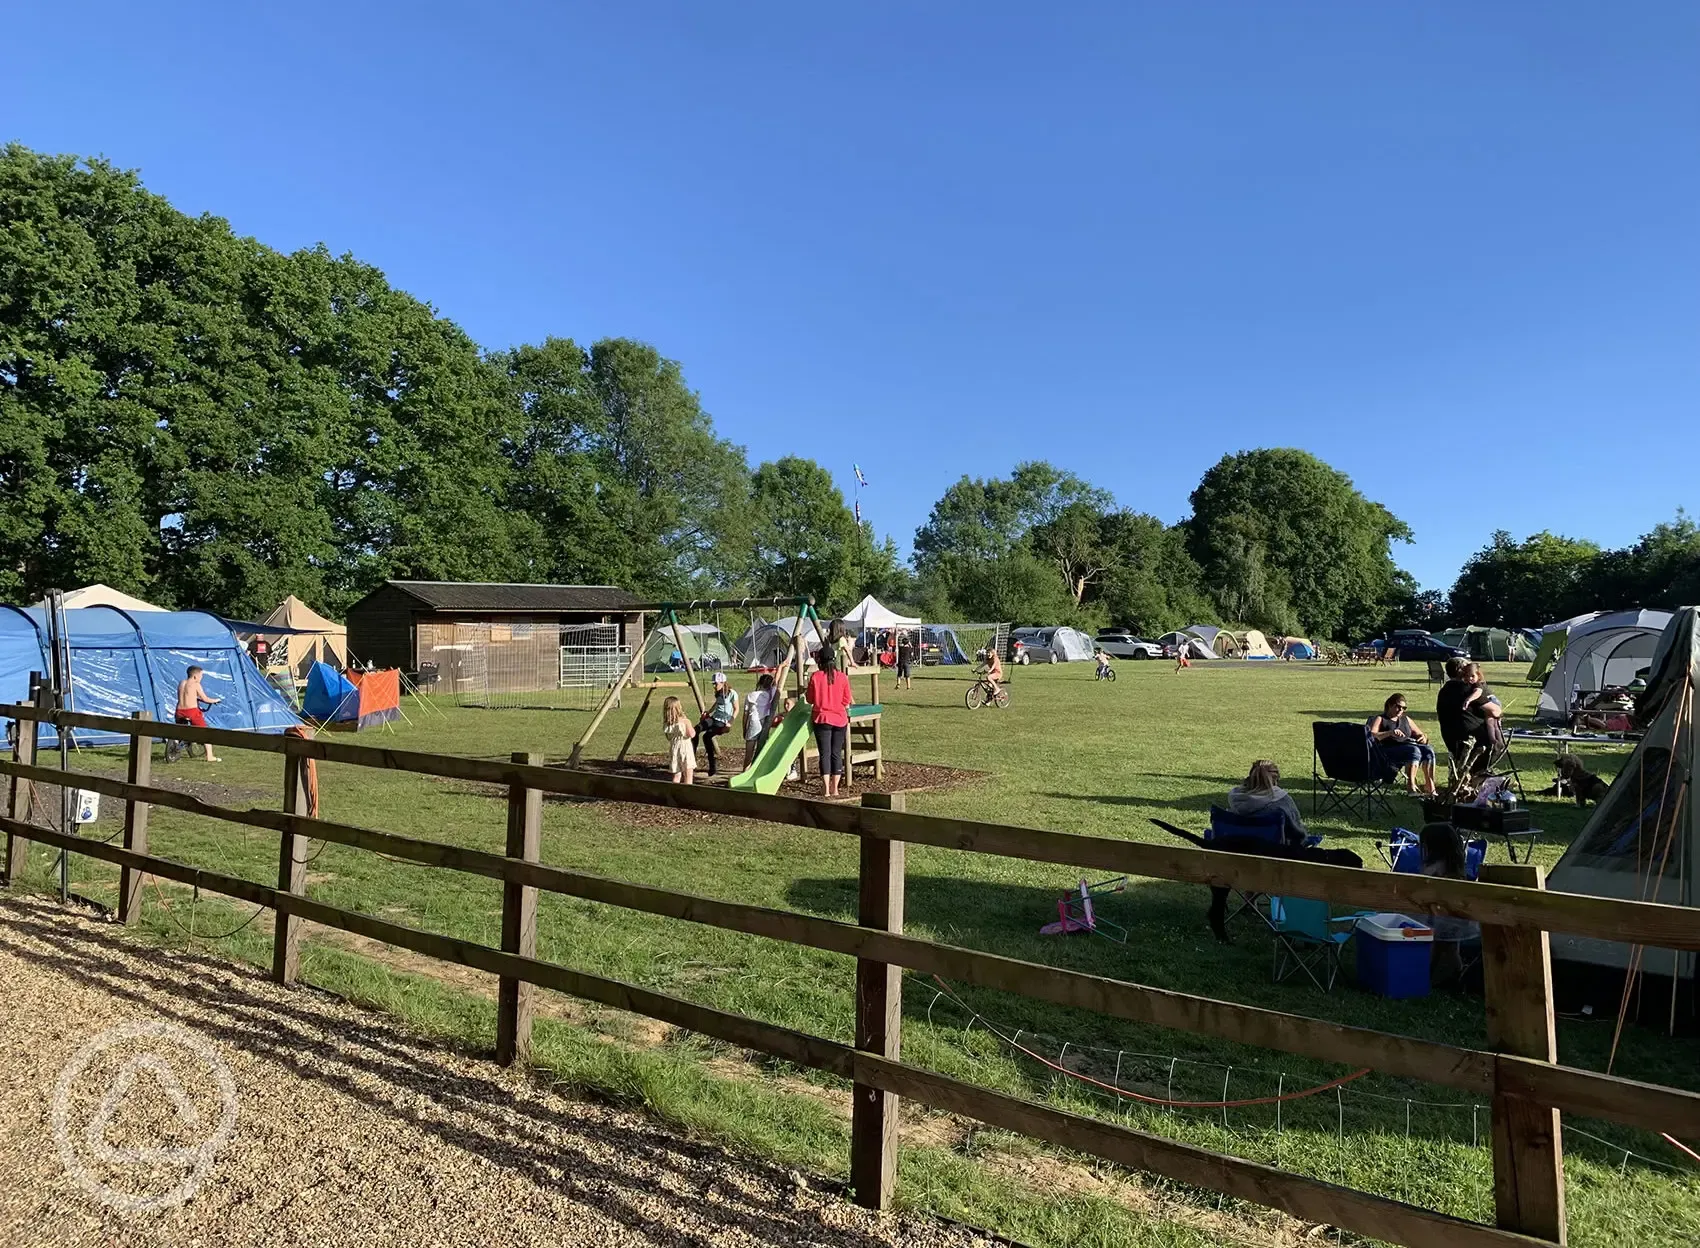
(432, 626)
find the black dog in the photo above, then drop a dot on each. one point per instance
(1217, 915)
(1575, 780)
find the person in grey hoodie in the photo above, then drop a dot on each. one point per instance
(1261, 793)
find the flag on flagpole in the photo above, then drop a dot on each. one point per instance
(858, 511)
(860, 479)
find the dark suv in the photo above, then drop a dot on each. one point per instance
(1417, 646)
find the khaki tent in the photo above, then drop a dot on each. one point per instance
(98, 595)
(318, 640)
(1257, 645)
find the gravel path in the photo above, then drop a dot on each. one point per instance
(346, 1129)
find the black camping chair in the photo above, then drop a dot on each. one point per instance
(1346, 766)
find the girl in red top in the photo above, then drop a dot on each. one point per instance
(829, 695)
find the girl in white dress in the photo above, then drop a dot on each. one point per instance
(681, 749)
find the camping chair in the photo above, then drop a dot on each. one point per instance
(1345, 766)
(1470, 758)
(1270, 826)
(1436, 672)
(1308, 938)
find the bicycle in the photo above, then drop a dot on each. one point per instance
(176, 750)
(981, 691)
(1105, 673)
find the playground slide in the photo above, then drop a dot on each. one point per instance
(788, 741)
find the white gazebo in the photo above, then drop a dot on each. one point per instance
(871, 613)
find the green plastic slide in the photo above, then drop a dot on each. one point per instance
(788, 741)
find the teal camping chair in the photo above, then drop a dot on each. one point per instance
(1309, 939)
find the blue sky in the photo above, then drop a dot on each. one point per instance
(1453, 249)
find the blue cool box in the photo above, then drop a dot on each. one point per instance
(1393, 954)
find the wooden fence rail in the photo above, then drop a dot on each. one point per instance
(1527, 1085)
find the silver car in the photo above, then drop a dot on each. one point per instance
(1120, 645)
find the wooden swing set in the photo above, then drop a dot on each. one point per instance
(865, 730)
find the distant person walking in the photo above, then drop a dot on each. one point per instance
(190, 695)
(681, 750)
(1180, 654)
(905, 657)
(829, 695)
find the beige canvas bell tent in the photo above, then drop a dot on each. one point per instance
(98, 595)
(318, 640)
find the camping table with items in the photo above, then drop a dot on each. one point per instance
(1564, 740)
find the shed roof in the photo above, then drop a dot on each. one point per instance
(501, 597)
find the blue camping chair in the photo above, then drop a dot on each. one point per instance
(1309, 938)
(1269, 826)
(1404, 854)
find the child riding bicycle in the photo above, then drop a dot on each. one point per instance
(1103, 663)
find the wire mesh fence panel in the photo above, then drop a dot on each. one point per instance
(588, 672)
(523, 664)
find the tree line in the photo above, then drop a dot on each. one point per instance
(196, 418)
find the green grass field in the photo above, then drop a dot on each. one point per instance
(1069, 754)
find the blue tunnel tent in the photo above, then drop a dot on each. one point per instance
(123, 662)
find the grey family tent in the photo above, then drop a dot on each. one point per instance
(705, 646)
(1211, 636)
(767, 642)
(1070, 645)
(1643, 841)
(123, 661)
(1551, 644)
(1489, 645)
(1609, 649)
(1195, 647)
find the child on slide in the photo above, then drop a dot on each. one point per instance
(758, 717)
(681, 747)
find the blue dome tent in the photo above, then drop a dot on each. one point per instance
(330, 695)
(123, 662)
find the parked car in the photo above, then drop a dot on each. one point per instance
(1048, 645)
(1415, 646)
(1122, 645)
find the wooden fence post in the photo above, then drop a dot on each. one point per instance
(18, 800)
(1528, 1157)
(879, 1015)
(291, 873)
(516, 1001)
(135, 826)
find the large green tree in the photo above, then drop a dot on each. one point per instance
(1283, 540)
(986, 542)
(196, 418)
(1526, 584)
(617, 473)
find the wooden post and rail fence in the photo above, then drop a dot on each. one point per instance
(1518, 1071)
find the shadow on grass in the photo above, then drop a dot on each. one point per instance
(1201, 803)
